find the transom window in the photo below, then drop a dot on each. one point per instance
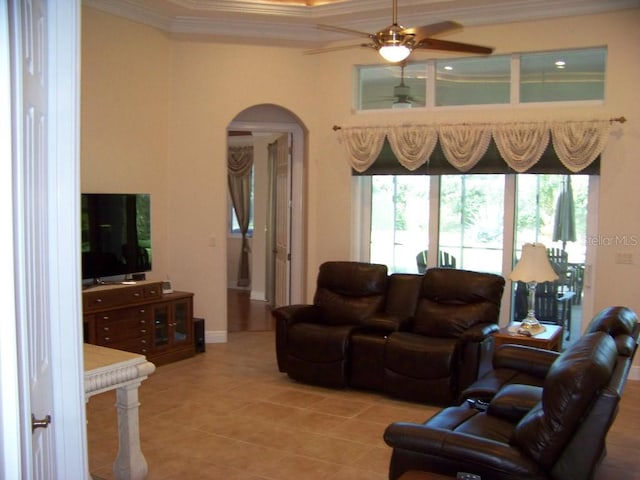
(556, 76)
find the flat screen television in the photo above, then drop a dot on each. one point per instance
(116, 234)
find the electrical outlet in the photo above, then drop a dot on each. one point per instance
(624, 258)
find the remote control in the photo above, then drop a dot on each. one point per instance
(467, 476)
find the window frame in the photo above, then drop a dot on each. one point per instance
(431, 80)
(361, 233)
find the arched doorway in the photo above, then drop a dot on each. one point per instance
(275, 278)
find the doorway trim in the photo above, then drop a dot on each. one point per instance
(297, 245)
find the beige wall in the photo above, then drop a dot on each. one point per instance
(125, 116)
(155, 113)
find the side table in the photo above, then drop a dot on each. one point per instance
(550, 339)
(109, 369)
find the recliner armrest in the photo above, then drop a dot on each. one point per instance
(531, 360)
(479, 332)
(385, 322)
(290, 314)
(514, 401)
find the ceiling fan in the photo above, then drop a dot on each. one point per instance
(395, 42)
(402, 93)
(402, 96)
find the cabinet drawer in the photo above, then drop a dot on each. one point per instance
(138, 315)
(138, 345)
(121, 331)
(113, 297)
(122, 324)
(153, 290)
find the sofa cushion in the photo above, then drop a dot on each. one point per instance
(318, 343)
(572, 383)
(466, 419)
(405, 351)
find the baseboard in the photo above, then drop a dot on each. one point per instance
(215, 336)
(634, 373)
(258, 296)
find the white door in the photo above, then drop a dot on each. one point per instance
(43, 224)
(283, 220)
(30, 221)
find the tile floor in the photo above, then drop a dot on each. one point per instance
(229, 414)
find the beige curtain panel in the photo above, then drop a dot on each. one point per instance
(577, 143)
(239, 163)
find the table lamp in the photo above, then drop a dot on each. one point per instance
(533, 268)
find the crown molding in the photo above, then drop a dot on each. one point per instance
(251, 21)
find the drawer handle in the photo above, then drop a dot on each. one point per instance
(107, 339)
(143, 330)
(152, 292)
(106, 329)
(106, 317)
(144, 342)
(136, 294)
(144, 350)
(142, 310)
(98, 300)
(143, 322)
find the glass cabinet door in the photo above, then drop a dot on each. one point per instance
(161, 325)
(180, 322)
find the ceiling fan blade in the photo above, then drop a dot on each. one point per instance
(426, 31)
(335, 49)
(348, 31)
(434, 44)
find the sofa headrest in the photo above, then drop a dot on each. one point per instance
(614, 321)
(619, 322)
(349, 292)
(573, 381)
(453, 286)
(452, 301)
(353, 278)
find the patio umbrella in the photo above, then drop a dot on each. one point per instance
(564, 224)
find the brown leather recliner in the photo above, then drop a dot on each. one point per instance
(519, 364)
(448, 342)
(312, 340)
(556, 431)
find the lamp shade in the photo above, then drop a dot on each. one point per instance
(534, 265)
(394, 53)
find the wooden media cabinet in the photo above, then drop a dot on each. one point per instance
(140, 319)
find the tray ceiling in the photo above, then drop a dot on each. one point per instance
(293, 22)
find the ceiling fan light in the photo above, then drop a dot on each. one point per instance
(394, 53)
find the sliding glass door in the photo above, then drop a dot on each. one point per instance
(399, 221)
(482, 222)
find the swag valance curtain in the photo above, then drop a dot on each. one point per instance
(520, 145)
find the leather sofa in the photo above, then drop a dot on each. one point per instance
(417, 337)
(545, 420)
